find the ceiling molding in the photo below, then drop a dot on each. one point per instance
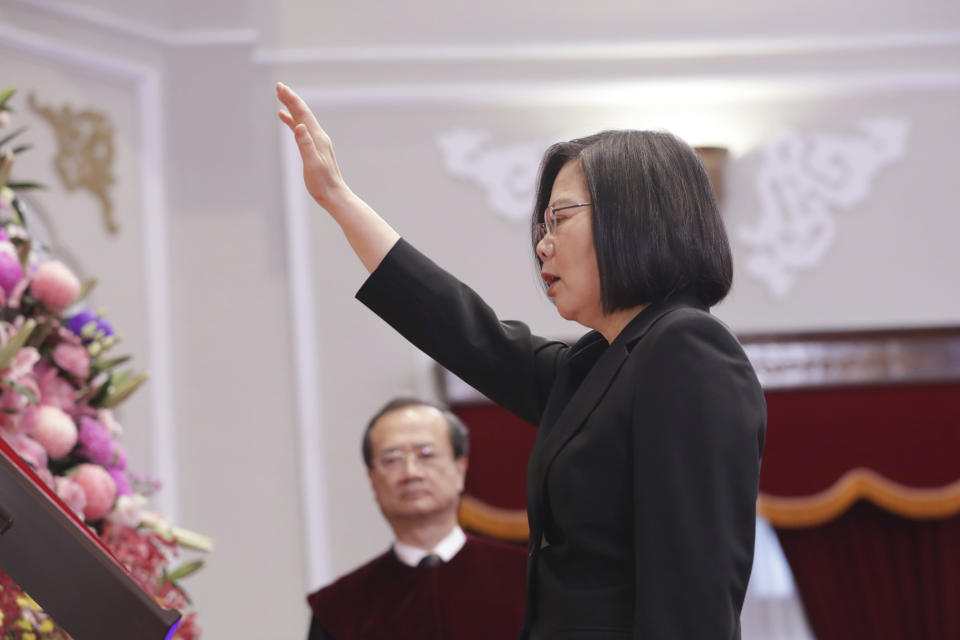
(676, 90)
(94, 17)
(613, 51)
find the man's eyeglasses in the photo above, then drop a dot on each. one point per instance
(551, 222)
(393, 461)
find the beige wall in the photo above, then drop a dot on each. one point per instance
(261, 467)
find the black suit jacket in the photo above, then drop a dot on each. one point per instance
(642, 483)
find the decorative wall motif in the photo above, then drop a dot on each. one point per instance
(84, 157)
(803, 182)
(507, 172)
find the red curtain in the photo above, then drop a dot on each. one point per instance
(869, 573)
(500, 445)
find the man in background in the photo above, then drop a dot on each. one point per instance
(435, 582)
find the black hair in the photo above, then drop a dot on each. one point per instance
(458, 433)
(656, 225)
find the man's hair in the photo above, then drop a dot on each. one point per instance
(457, 431)
(656, 224)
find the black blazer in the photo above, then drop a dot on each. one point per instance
(642, 482)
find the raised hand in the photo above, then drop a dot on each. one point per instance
(368, 234)
(320, 171)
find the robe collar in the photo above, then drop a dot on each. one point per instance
(446, 548)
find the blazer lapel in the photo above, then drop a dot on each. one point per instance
(561, 421)
(573, 416)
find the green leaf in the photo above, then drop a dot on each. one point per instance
(23, 252)
(85, 288)
(18, 217)
(185, 570)
(109, 363)
(40, 335)
(6, 94)
(95, 394)
(24, 186)
(123, 390)
(22, 390)
(10, 136)
(16, 342)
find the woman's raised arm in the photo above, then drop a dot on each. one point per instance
(368, 234)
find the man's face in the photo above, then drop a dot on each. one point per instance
(414, 474)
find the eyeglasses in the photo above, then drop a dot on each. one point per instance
(393, 461)
(551, 222)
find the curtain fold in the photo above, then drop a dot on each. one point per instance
(870, 574)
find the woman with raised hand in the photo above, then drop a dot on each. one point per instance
(642, 482)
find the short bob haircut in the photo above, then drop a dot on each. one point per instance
(656, 224)
(459, 435)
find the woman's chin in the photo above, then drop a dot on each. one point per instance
(565, 312)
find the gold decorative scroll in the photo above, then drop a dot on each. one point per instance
(860, 484)
(84, 157)
(493, 522)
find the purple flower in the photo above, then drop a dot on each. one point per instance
(82, 319)
(120, 479)
(105, 327)
(96, 444)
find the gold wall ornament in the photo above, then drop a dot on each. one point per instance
(84, 158)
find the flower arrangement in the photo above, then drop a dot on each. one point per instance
(58, 387)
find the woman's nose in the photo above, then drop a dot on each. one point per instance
(545, 247)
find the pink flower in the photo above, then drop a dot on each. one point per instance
(120, 481)
(54, 390)
(72, 494)
(98, 487)
(14, 409)
(55, 285)
(72, 358)
(17, 294)
(54, 430)
(11, 273)
(95, 441)
(126, 513)
(22, 363)
(28, 448)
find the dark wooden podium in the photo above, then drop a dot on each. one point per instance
(56, 559)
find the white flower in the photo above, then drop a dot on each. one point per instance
(127, 511)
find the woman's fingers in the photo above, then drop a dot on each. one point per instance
(320, 171)
(308, 150)
(298, 110)
(286, 119)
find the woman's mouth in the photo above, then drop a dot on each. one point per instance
(551, 281)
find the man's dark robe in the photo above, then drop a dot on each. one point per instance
(478, 594)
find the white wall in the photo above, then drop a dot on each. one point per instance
(275, 476)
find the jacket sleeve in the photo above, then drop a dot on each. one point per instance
(698, 423)
(451, 323)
